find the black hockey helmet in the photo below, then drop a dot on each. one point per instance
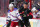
(26, 3)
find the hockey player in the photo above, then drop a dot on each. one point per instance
(14, 15)
(26, 15)
(36, 10)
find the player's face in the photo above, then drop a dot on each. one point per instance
(11, 8)
(25, 6)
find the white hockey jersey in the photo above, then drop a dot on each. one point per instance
(36, 15)
(14, 15)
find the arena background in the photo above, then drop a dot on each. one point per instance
(4, 5)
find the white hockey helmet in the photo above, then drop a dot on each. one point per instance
(11, 5)
(33, 9)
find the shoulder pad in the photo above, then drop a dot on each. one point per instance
(8, 10)
(15, 9)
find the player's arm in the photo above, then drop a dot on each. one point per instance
(30, 14)
(18, 15)
(9, 17)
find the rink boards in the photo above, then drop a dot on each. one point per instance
(2, 21)
(33, 22)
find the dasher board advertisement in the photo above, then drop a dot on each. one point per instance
(2, 21)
